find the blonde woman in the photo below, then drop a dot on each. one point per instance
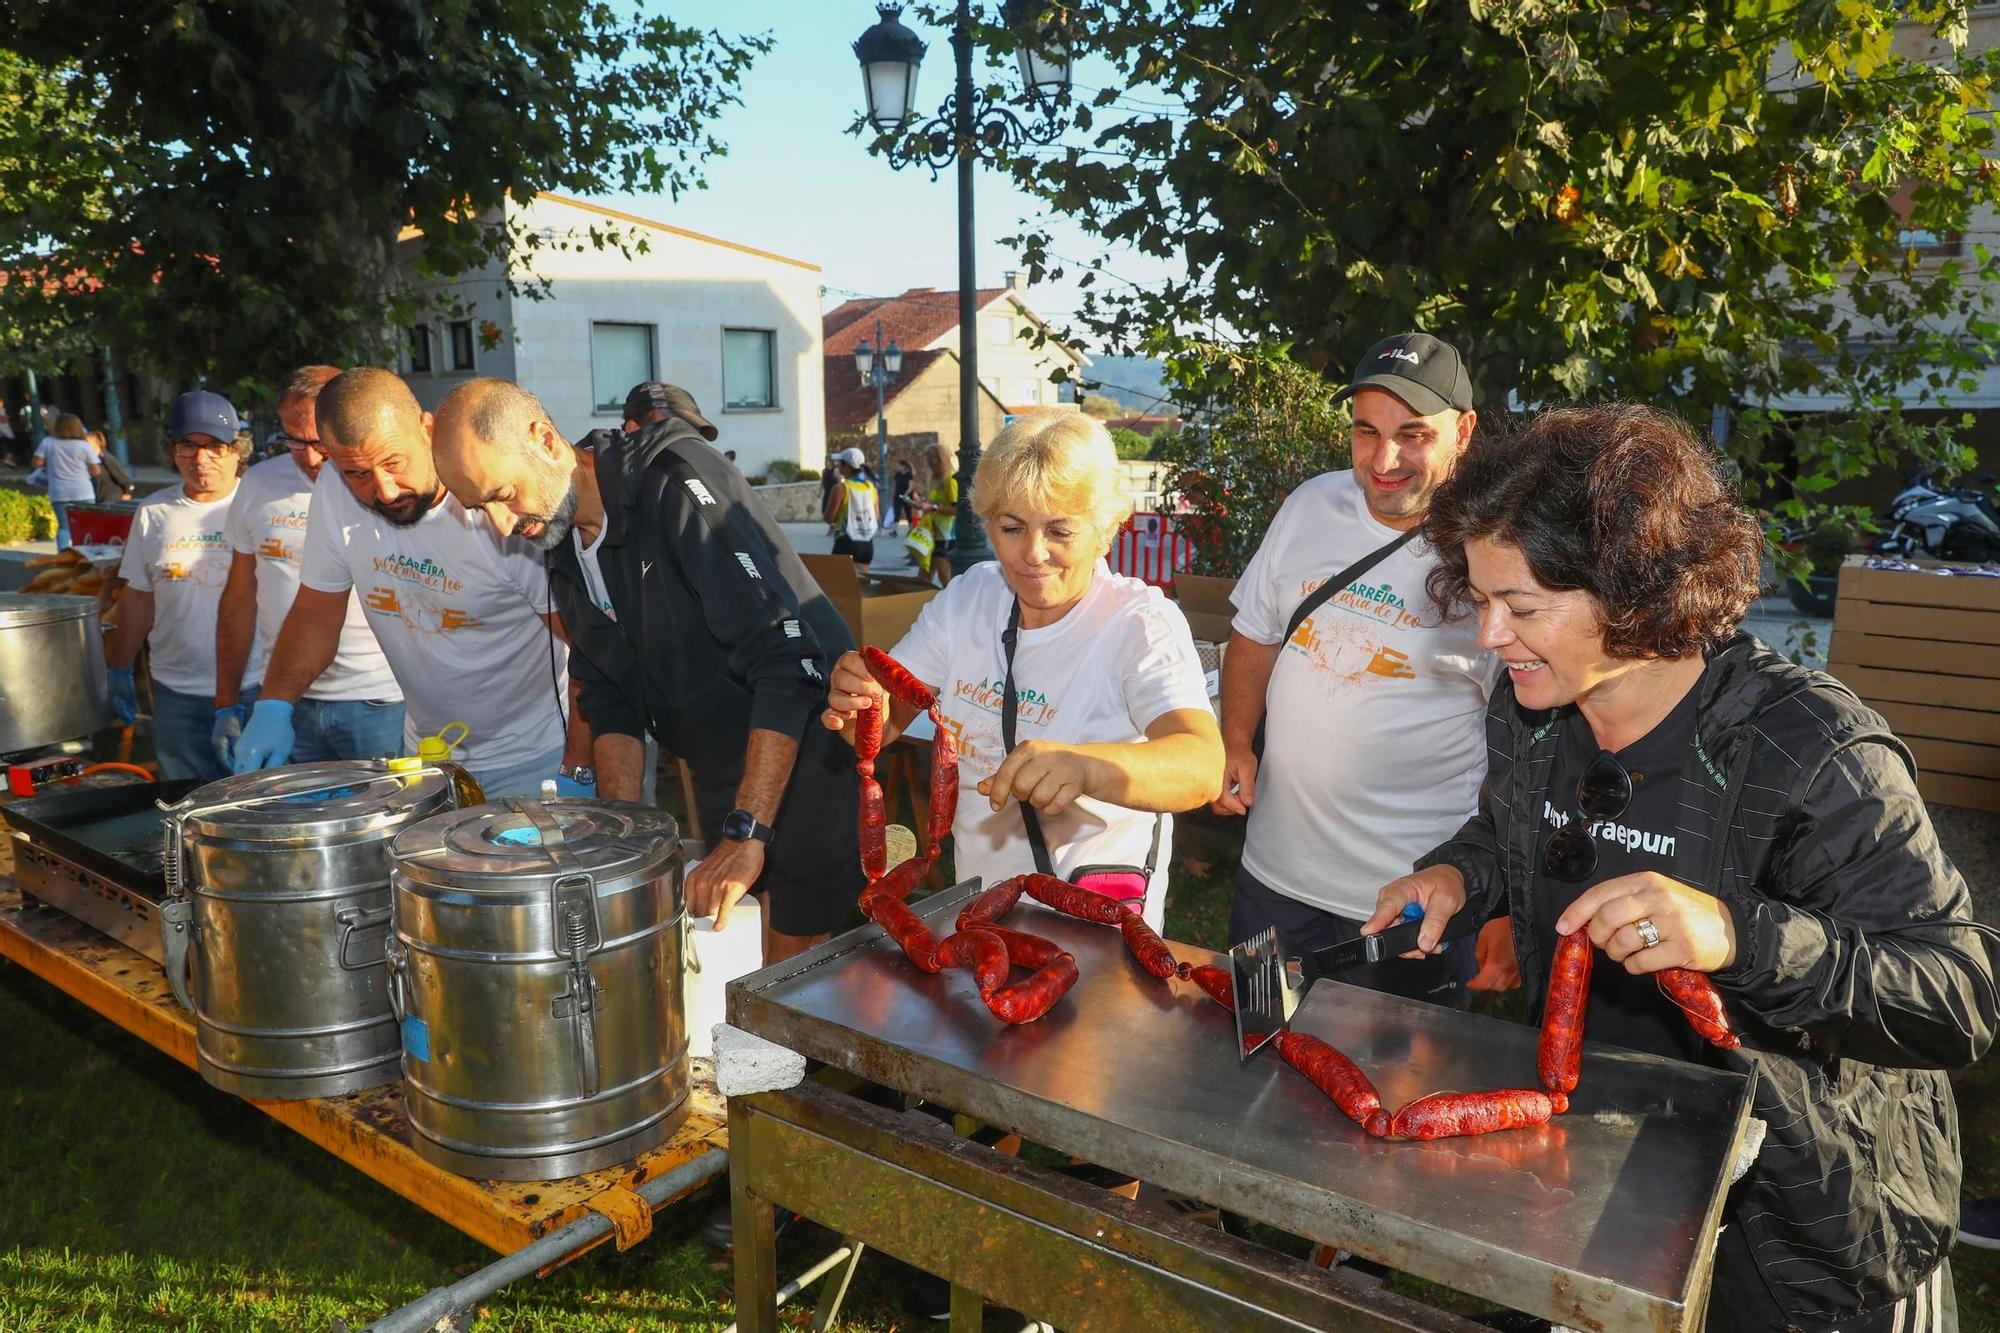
(939, 508)
(1112, 725)
(72, 470)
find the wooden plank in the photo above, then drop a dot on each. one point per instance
(1943, 724)
(367, 1129)
(1877, 686)
(1951, 659)
(1917, 622)
(1900, 588)
(1954, 789)
(1971, 761)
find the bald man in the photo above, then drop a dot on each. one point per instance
(692, 618)
(460, 609)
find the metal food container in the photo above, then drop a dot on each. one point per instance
(276, 918)
(52, 656)
(536, 963)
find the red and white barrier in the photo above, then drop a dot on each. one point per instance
(1148, 549)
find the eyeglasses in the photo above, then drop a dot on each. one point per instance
(294, 442)
(1603, 792)
(195, 446)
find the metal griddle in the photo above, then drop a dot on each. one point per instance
(94, 854)
(1606, 1218)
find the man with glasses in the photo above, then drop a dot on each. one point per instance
(354, 710)
(1373, 709)
(460, 609)
(176, 562)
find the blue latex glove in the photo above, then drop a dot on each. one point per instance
(267, 741)
(571, 787)
(227, 730)
(124, 694)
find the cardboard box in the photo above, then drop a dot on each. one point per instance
(878, 610)
(1923, 649)
(1205, 603)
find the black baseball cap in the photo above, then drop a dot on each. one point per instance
(669, 398)
(1425, 372)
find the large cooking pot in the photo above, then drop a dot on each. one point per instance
(536, 961)
(276, 917)
(52, 666)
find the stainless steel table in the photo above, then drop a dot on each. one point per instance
(1605, 1218)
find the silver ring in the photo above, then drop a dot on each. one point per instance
(1648, 932)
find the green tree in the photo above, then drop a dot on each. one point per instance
(1228, 477)
(230, 179)
(1699, 206)
(1102, 406)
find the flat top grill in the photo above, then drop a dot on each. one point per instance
(112, 832)
(1604, 1218)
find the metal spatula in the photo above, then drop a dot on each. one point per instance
(1269, 983)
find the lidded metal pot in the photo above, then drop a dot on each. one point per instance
(535, 961)
(277, 916)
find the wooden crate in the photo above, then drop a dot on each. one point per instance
(1923, 649)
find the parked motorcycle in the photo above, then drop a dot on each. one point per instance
(1933, 522)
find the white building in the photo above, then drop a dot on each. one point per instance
(737, 327)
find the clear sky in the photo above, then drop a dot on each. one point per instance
(797, 183)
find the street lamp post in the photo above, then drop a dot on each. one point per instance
(879, 365)
(967, 124)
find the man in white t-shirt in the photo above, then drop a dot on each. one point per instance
(1373, 711)
(461, 612)
(355, 709)
(176, 560)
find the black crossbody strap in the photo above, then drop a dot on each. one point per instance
(1009, 705)
(1319, 596)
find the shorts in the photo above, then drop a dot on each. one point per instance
(863, 550)
(812, 867)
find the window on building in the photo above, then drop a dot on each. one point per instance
(1031, 390)
(1000, 330)
(461, 344)
(621, 356)
(749, 368)
(420, 349)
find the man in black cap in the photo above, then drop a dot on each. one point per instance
(1373, 712)
(690, 617)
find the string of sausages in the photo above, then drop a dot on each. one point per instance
(990, 951)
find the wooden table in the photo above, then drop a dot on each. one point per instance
(367, 1130)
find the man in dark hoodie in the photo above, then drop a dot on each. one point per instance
(689, 616)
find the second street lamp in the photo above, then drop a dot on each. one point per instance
(879, 368)
(967, 124)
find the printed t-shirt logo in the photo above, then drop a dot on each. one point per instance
(413, 593)
(1632, 839)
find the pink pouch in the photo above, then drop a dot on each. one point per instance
(1125, 884)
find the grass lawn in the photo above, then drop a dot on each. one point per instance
(138, 1198)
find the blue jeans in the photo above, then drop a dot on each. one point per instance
(62, 522)
(182, 727)
(346, 729)
(1303, 928)
(522, 779)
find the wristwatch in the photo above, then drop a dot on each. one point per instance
(741, 826)
(583, 775)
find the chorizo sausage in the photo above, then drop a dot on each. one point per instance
(1560, 1055)
(1336, 1076)
(1701, 1002)
(894, 677)
(1446, 1114)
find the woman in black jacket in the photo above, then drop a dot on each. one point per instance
(114, 482)
(1690, 798)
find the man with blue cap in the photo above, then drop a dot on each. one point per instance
(176, 562)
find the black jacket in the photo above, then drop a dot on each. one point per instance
(1858, 975)
(720, 629)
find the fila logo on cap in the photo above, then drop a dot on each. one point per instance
(1400, 354)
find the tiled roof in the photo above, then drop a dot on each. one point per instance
(914, 320)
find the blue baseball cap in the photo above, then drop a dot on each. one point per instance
(202, 413)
